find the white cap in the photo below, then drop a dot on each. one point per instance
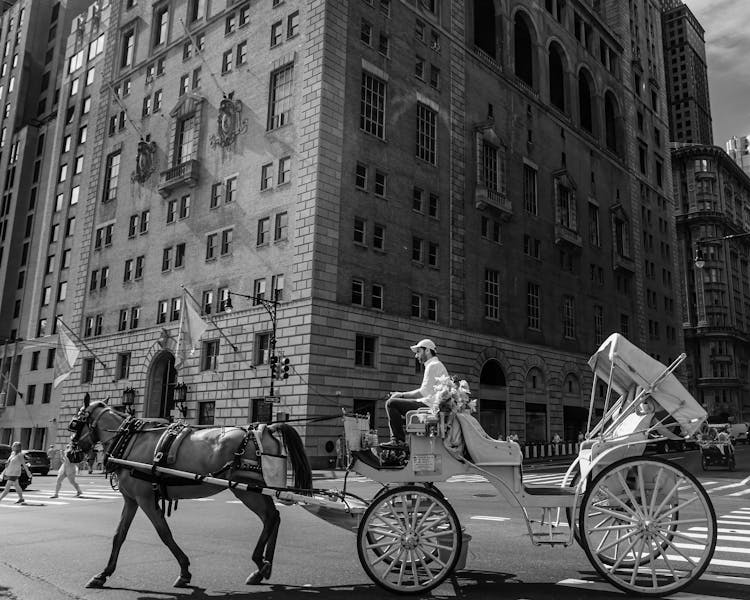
(429, 344)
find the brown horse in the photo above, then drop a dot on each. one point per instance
(202, 451)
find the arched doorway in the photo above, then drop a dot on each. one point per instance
(162, 377)
(492, 394)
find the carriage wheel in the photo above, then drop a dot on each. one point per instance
(647, 526)
(409, 539)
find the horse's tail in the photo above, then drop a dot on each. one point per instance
(296, 452)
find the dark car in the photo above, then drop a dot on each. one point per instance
(37, 460)
(24, 479)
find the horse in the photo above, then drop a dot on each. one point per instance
(202, 451)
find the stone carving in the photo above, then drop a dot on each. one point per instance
(145, 163)
(230, 123)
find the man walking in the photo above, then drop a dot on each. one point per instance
(424, 396)
(69, 470)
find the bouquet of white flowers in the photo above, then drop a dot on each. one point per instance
(452, 396)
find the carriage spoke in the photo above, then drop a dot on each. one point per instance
(425, 516)
(677, 485)
(629, 494)
(655, 493)
(642, 487)
(617, 515)
(679, 507)
(622, 557)
(675, 548)
(634, 574)
(433, 524)
(619, 540)
(688, 521)
(628, 509)
(414, 572)
(611, 528)
(387, 554)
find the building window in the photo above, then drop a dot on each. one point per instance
(226, 241)
(360, 177)
(280, 105)
(491, 294)
(426, 133)
(266, 176)
(359, 230)
(280, 226)
(211, 242)
(215, 195)
(230, 188)
(87, 370)
(364, 351)
(262, 346)
(292, 24)
(598, 324)
(416, 305)
(207, 302)
(264, 226)
(358, 292)
(378, 237)
(111, 175)
(123, 365)
(569, 317)
(377, 296)
(372, 105)
(127, 50)
(174, 309)
(533, 307)
(566, 210)
(276, 31)
(161, 24)
(285, 169)
(206, 413)
(210, 355)
(417, 249)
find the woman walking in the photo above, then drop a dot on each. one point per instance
(13, 469)
(69, 470)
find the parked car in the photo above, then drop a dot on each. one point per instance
(37, 460)
(24, 479)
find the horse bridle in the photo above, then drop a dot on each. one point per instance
(85, 417)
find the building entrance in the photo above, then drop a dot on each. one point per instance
(162, 378)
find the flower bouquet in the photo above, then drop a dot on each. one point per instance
(452, 396)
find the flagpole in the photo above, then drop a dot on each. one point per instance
(210, 318)
(96, 356)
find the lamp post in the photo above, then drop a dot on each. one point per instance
(128, 400)
(270, 306)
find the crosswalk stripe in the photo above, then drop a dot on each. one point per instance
(728, 549)
(600, 586)
(715, 562)
(726, 522)
(722, 530)
(742, 493)
(732, 485)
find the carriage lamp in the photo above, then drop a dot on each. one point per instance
(180, 396)
(128, 400)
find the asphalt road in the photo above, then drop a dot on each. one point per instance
(51, 548)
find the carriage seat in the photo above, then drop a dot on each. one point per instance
(484, 450)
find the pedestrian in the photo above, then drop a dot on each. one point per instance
(556, 440)
(67, 469)
(13, 469)
(400, 403)
(99, 464)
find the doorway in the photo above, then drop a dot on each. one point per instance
(162, 378)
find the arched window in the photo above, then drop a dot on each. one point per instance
(585, 112)
(556, 78)
(610, 121)
(484, 26)
(523, 50)
(492, 374)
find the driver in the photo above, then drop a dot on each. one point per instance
(424, 396)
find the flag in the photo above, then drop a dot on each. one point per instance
(65, 356)
(192, 327)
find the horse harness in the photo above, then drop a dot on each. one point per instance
(167, 447)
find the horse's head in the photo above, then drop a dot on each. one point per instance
(94, 422)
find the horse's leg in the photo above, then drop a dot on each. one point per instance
(264, 507)
(130, 507)
(159, 522)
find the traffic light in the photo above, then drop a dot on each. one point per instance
(274, 362)
(284, 370)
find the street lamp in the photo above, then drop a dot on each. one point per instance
(180, 398)
(128, 400)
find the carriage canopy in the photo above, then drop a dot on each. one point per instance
(624, 365)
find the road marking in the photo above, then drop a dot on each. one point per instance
(727, 522)
(486, 518)
(728, 549)
(721, 530)
(715, 562)
(727, 579)
(739, 516)
(742, 493)
(730, 486)
(721, 538)
(601, 586)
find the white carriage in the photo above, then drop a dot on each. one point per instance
(645, 523)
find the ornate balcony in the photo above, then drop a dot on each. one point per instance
(564, 235)
(484, 198)
(185, 173)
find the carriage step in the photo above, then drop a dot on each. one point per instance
(551, 539)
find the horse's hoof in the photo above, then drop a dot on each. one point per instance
(182, 581)
(258, 576)
(96, 582)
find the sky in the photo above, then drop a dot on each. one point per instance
(728, 57)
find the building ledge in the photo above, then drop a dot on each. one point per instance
(563, 235)
(622, 263)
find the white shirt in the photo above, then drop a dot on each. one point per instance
(433, 369)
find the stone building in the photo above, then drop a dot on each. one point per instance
(489, 174)
(712, 197)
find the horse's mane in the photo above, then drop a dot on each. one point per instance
(296, 452)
